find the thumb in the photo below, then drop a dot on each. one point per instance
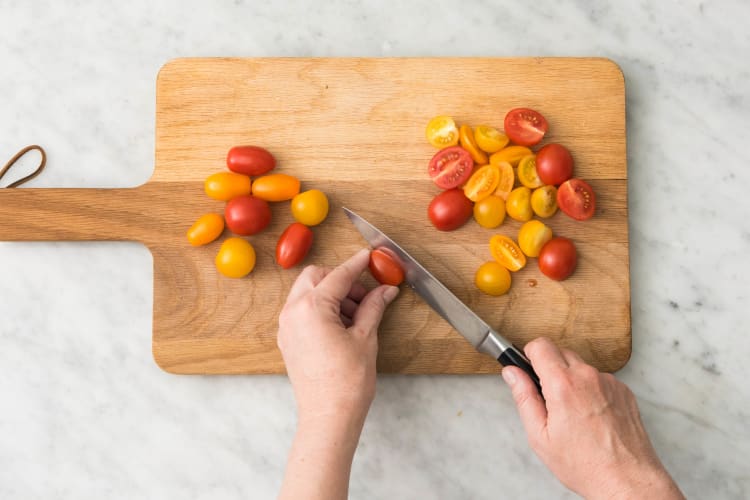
(370, 311)
(531, 407)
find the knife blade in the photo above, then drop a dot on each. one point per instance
(465, 321)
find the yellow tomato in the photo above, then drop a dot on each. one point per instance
(505, 251)
(490, 212)
(492, 278)
(507, 179)
(442, 132)
(511, 154)
(236, 258)
(518, 205)
(532, 237)
(310, 208)
(206, 229)
(276, 187)
(544, 201)
(482, 183)
(466, 138)
(527, 172)
(227, 185)
(490, 139)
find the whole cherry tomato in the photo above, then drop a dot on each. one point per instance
(236, 258)
(293, 245)
(246, 215)
(449, 210)
(385, 268)
(558, 258)
(226, 185)
(276, 187)
(554, 164)
(206, 229)
(250, 160)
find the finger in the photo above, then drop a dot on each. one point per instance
(348, 307)
(370, 311)
(358, 292)
(306, 281)
(571, 357)
(530, 404)
(546, 358)
(339, 282)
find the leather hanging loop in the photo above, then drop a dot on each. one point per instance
(17, 157)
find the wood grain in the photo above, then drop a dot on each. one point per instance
(355, 129)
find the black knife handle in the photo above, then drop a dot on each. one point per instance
(513, 357)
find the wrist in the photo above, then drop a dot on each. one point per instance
(652, 481)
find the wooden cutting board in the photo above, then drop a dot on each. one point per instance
(354, 128)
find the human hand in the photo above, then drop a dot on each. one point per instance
(587, 430)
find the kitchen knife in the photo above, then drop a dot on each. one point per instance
(464, 320)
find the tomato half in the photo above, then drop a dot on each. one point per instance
(507, 179)
(236, 258)
(482, 183)
(527, 172)
(492, 278)
(518, 204)
(449, 210)
(544, 201)
(554, 164)
(450, 167)
(532, 236)
(467, 141)
(293, 245)
(385, 268)
(206, 229)
(576, 198)
(490, 212)
(558, 258)
(505, 251)
(525, 126)
(250, 160)
(310, 208)
(490, 139)
(276, 187)
(226, 185)
(511, 154)
(246, 215)
(442, 132)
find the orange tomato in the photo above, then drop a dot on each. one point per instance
(544, 201)
(490, 212)
(532, 236)
(511, 154)
(466, 138)
(276, 187)
(490, 139)
(442, 132)
(227, 185)
(505, 251)
(507, 179)
(518, 205)
(482, 183)
(206, 229)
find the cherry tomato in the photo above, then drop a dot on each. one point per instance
(576, 198)
(490, 139)
(527, 172)
(250, 160)
(236, 258)
(226, 185)
(276, 187)
(490, 212)
(492, 278)
(544, 201)
(467, 141)
(518, 205)
(449, 210)
(442, 132)
(554, 164)
(525, 126)
(482, 183)
(511, 154)
(385, 268)
(507, 179)
(206, 229)
(450, 167)
(505, 251)
(246, 215)
(293, 245)
(310, 208)
(532, 237)
(558, 258)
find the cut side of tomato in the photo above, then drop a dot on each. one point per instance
(576, 198)
(490, 139)
(442, 132)
(450, 167)
(527, 172)
(507, 179)
(525, 126)
(482, 183)
(505, 251)
(467, 141)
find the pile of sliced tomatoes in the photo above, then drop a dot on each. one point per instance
(489, 174)
(247, 211)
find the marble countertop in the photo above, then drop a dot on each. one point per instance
(86, 413)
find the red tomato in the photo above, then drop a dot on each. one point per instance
(450, 210)
(554, 164)
(525, 126)
(250, 160)
(558, 258)
(385, 268)
(293, 245)
(450, 167)
(576, 198)
(246, 215)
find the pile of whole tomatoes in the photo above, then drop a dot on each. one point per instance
(247, 211)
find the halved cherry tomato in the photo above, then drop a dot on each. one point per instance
(554, 164)
(532, 236)
(450, 167)
(527, 172)
(505, 251)
(490, 212)
(525, 126)
(558, 258)
(467, 141)
(236, 258)
(482, 183)
(385, 268)
(293, 245)
(576, 198)
(276, 187)
(492, 278)
(511, 154)
(507, 179)
(226, 185)
(518, 205)
(442, 132)
(449, 210)
(250, 160)
(544, 201)
(490, 139)
(246, 215)
(206, 229)
(310, 208)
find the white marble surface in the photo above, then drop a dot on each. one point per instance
(87, 414)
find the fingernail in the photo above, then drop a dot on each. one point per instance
(509, 377)
(390, 293)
